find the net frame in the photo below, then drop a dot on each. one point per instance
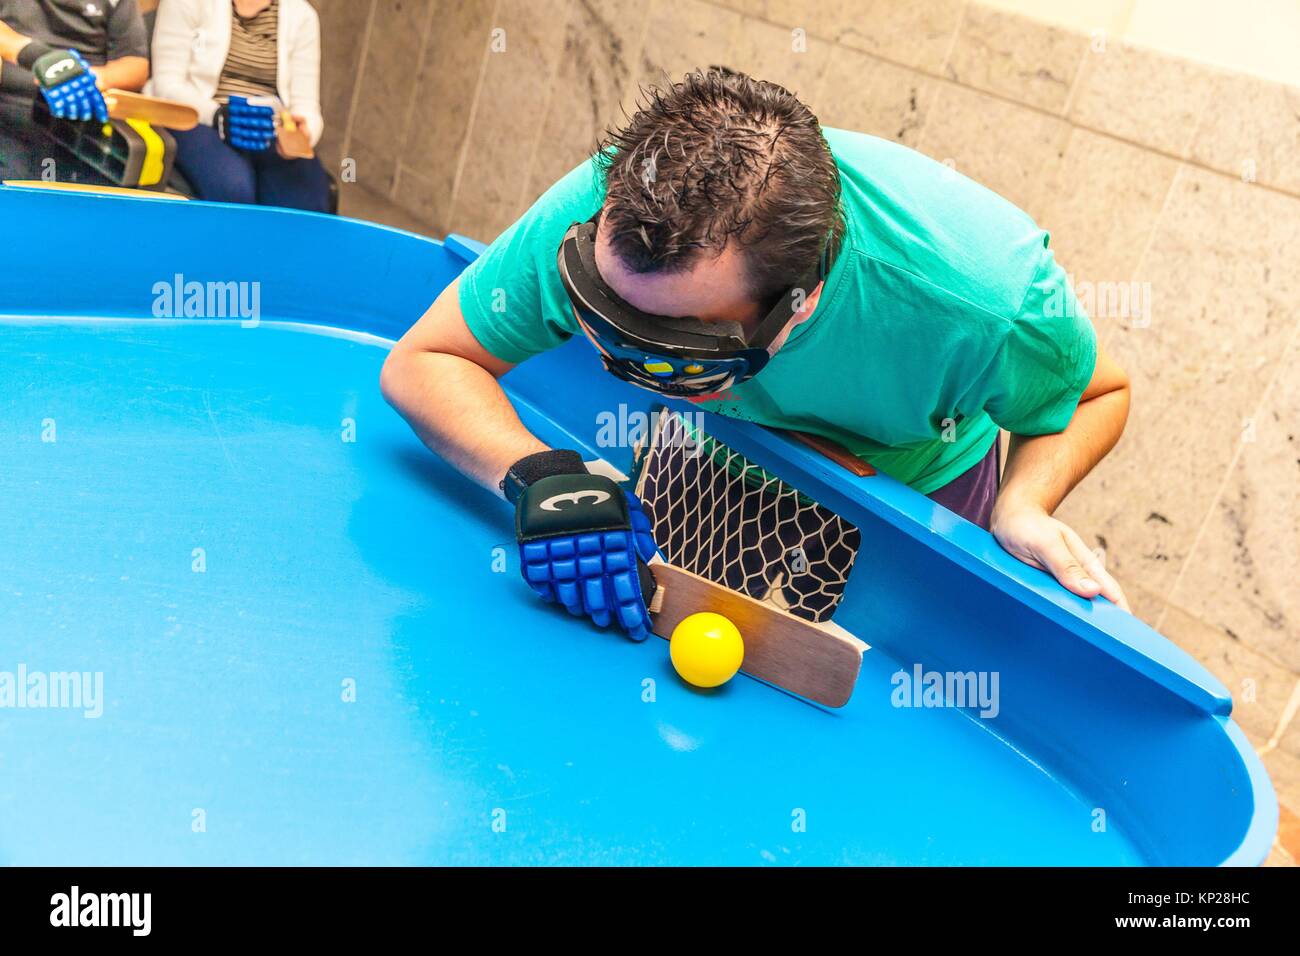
(721, 516)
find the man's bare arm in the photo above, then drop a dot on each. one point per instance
(1042, 469)
(125, 73)
(11, 41)
(444, 383)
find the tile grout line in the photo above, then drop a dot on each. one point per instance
(956, 36)
(626, 97)
(410, 106)
(1284, 350)
(933, 107)
(521, 201)
(1150, 240)
(1204, 114)
(1076, 86)
(1188, 148)
(1155, 223)
(815, 94)
(1277, 845)
(1130, 9)
(1283, 721)
(356, 86)
(469, 121)
(1258, 652)
(1112, 331)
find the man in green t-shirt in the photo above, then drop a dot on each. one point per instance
(724, 248)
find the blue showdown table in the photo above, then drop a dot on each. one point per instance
(310, 652)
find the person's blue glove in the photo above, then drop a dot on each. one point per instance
(244, 125)
(68, 85)
(583, 540)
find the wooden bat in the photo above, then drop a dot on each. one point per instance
(796, 655)
(123, 105)
(290, 125)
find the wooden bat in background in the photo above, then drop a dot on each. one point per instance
(796, 655)
(124, 105)
(289, 124)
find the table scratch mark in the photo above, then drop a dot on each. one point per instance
(220, 440)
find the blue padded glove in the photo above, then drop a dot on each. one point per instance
(245, 125)
(68, 85)
(584, 541)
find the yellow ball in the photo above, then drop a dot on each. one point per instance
(706, 649)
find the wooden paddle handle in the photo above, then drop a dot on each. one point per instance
(124, 105)
(832, 450)
(290, 125)
(781, 649)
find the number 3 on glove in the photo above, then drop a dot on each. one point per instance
(583, 542)
(66, 81)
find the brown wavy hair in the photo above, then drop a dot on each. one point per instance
(721, 157)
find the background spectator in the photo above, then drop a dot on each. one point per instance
(227, 58)
(108, 34)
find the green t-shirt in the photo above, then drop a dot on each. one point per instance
(944, 316)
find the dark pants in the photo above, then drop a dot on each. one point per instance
(221, 173)
(972, 493)
(24, 149)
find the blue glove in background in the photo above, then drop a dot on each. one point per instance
(68, 85)
(246, 126)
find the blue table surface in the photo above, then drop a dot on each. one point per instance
(486, 727)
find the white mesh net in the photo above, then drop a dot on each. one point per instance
(721, 516)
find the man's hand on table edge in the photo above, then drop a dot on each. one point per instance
(1028, 532)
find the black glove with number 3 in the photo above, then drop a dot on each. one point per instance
(583, 540)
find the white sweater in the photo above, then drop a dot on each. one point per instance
(191, 40)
